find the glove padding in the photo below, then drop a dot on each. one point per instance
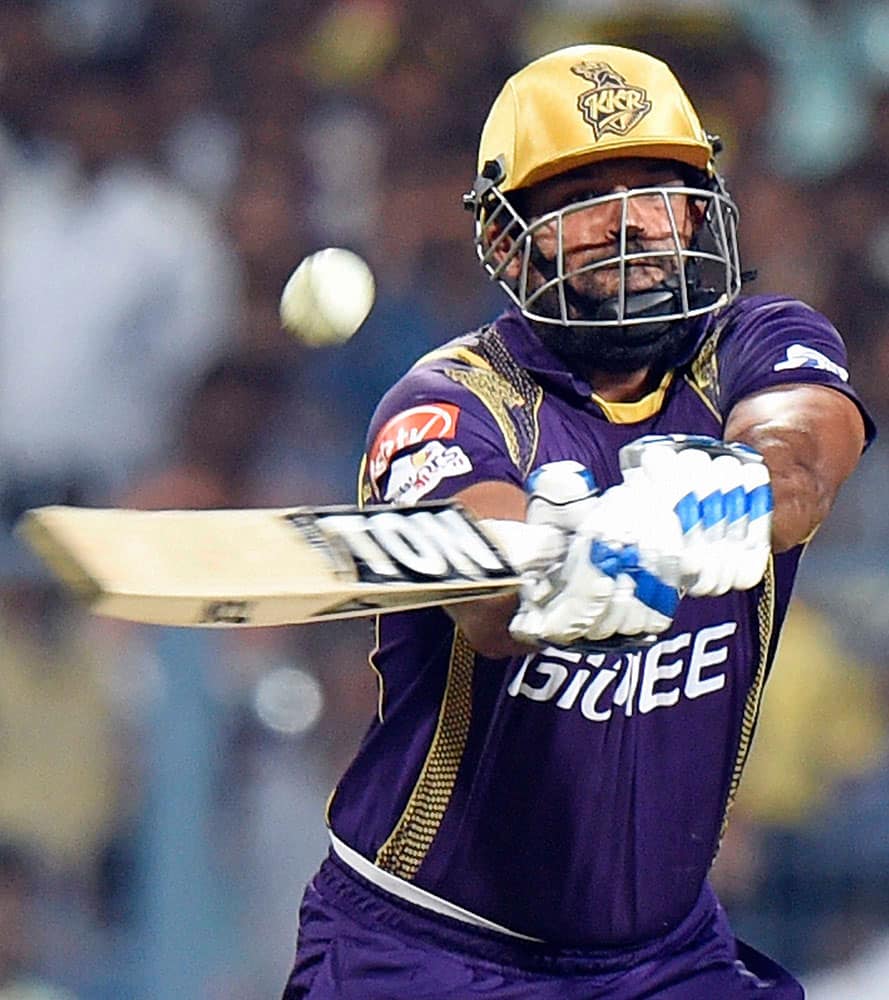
(561, 494)
(560, 497)
(722, 496)
(693, 515)
(620, 571)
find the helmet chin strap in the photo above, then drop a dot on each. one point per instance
(661, 300)
(664, 299)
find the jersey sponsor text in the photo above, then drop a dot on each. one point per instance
(683, 667)
(425, 422)
(415, 475)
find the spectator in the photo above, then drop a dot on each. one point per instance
(19, 979)
(115, 289)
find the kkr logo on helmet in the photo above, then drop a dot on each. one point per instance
(612, 105)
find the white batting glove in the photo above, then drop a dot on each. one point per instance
(560, 493)
(613, 580)
(529, 548)
(693, 515)
(722, 497)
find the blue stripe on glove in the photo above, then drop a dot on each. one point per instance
(649, 589)
(732, 506)
(760, 501)
(585, 476)
(713, 508)
(735, 504)
(688, 510)
(654, 593)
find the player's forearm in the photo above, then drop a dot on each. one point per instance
(486, 623)
(803, 495)
(811, 438)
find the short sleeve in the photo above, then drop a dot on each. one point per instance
(778, 341)
(429, 439)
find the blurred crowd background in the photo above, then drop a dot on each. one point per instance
(164, 164)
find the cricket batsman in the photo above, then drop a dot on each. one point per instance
(535, 808)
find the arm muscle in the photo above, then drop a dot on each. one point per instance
(811, 438)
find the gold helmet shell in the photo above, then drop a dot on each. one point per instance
(587, 103)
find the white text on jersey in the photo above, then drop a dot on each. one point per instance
(683, 666)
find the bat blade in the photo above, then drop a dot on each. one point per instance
(264, 567)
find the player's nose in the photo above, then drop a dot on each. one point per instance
(627, 212)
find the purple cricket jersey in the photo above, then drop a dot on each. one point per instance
(574, 798)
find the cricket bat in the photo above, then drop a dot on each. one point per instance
(268, 566)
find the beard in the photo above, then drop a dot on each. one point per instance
(585, 350)
(658, 344)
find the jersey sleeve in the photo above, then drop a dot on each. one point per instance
(430, 438)
(778, 341)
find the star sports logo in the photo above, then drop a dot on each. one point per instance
(415, 475)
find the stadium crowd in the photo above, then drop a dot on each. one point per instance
(164, 164)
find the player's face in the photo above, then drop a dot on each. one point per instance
(612, 262)
(593, 232)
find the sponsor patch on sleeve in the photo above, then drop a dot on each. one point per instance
(413, 476)
(801, 356)
(426, 422)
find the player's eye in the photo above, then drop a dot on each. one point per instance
(586, 195)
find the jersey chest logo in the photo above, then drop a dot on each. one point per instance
(682, 668)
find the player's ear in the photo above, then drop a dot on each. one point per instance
(500, 227)
(697, 212)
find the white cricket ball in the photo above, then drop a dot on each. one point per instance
(327, 297)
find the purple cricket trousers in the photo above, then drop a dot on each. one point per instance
(357, 942)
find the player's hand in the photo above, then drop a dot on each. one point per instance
(721, 495)
(619, 575)
(693, 515)
(560, 494)
(559, 499)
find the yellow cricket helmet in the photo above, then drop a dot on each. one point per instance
(573, 108)
(587, 103)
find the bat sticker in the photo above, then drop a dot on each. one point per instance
(432, 544)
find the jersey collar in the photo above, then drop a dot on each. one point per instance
(552, 373)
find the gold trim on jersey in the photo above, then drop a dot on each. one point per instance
(457, 353)
(507, 391)
(329, 803)
(498, 397)
(372, 663)
(641, 409)
(363, 497)
(705, 367)
(409, 842)
(704, 373)
(535, 412)
(765, 616)
(364, 494)
(365, 489)
(704, 398)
